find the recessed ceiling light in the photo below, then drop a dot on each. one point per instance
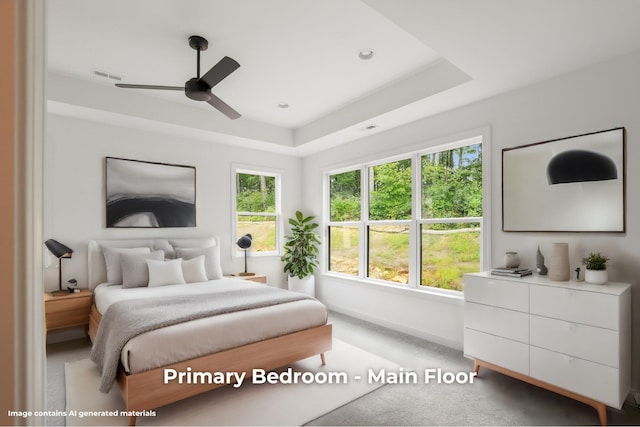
(365, 54)
(283, 105)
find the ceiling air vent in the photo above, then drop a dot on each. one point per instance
(106, 75)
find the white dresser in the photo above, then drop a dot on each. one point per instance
(573, 338)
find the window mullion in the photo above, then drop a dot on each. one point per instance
(363, 248)
(414, 228)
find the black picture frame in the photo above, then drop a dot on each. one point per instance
(571, 184)
(143, 194)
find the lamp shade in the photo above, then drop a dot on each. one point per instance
(580, 166)
(244, 242)
(58, 249)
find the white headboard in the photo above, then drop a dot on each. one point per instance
(97, 270)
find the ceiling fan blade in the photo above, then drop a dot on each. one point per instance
(223, 107)
(219, 71)
(128, 86)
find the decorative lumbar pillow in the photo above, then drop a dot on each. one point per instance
(193, 270)
(211, 259)
(165, 272)
(113, 264)
(135, 272)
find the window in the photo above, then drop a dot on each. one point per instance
(451, 187)
(257, 211)
(344, 214)
(414, 221)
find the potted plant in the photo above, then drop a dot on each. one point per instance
(301, 253)
(596, 272)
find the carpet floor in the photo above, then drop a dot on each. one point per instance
(270, 404)
(493, 399)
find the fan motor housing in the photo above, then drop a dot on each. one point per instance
(197, 90)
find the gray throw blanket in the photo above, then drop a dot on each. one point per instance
(124, 320)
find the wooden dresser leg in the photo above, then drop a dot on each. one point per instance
(476, 367)
(132, 421)
(322, 359)
(602, 413)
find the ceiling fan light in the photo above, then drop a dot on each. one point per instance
(196, 90)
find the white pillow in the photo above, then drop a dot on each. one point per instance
(165, 272)
(135, 272)
(112, 261)
(193, 270)
(211, 259)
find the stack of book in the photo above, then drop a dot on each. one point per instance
(511, 272)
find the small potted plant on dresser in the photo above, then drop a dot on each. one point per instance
(301, 254)
(596, 272)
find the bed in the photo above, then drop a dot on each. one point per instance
(264, 337)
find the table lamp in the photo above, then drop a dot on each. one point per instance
(59, 251)
(245, 243)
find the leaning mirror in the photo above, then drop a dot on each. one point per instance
(573, 184)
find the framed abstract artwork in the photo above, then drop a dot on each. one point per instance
(142, 194)
(573, 184)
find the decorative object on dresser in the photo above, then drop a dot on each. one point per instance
(559, 267)
(540, 267)
(67, 310)
(571, 338)
(59, 251)
(301, 254)
(596, 265)
(577, 184)
(244, 243)
(142, 194)
(511, 260)
(511, 272)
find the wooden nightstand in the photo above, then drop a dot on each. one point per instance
(66, 311)
(257, 278)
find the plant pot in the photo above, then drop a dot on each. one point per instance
(596, 277)
(305, 286)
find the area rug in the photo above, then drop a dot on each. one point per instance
(250, 404)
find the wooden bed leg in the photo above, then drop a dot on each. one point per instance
(132, 421)
(476, 367)
(324, 362)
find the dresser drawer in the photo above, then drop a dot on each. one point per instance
(589, 308)
(589, 379)
(497, 321)
(509, 294)
(510, 354)
(574, 339)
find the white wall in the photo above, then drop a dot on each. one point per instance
(74, 207)
(600, 97)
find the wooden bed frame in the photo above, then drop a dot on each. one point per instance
(146, 390)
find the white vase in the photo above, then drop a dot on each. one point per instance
(511, 260)
(559, 262)
(596, 277)
(305, 286)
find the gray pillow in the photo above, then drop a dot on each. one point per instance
(211, 259)
(135, 272)
(112, 261)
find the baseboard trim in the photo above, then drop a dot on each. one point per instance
(395, 326)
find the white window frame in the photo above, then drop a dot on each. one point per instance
(416, 221)
(250, 170)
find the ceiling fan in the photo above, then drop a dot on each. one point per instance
(199, 88)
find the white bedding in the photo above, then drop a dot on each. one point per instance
(203, 336)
